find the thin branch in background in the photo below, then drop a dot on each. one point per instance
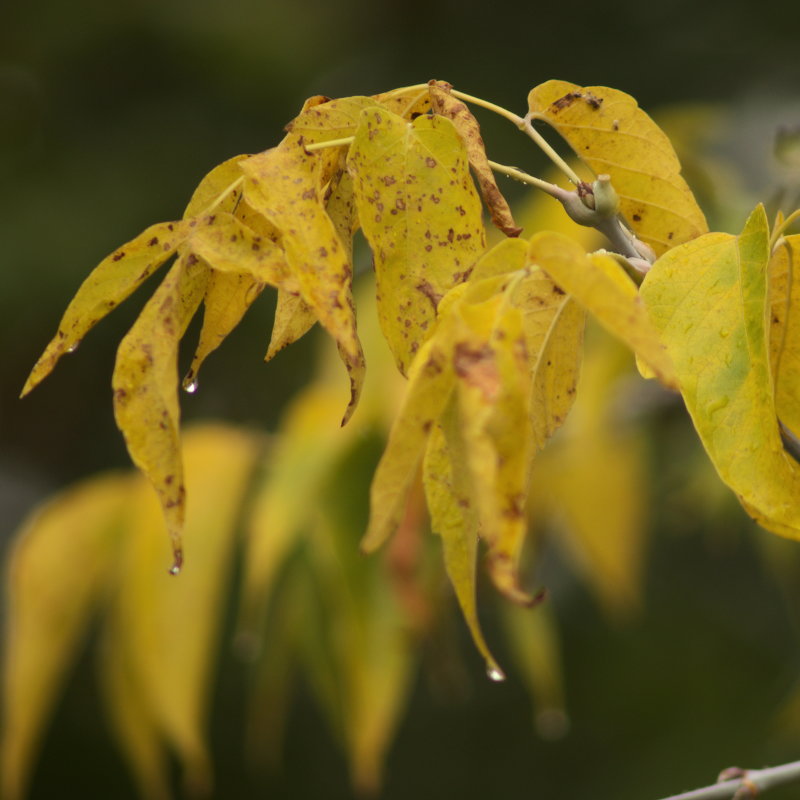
(741, 784)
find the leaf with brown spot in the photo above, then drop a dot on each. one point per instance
(613, 136)
(453, 517)
(285, 184)
(784, 329)
(333, 119)
(604, 289)
(468, 129)
(421, 214)
(430, 382)
(553, 330)
(165, 629)
(228, 297)
(145, 384)
(112, 281)
(211, 188)
(407, 102)
(294, 318)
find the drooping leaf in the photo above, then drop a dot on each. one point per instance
(593, 483)
(784, 333)
(708, 299)
(112, 281)
(613, 136)
(601, 285)
(420, 212)
(468, 129)
(430, 382)
(453, 518)
(553, 328)
(293, 319)
(145, 384)
(285, 184)
(168, 629)
(228, 297)
(58, 572)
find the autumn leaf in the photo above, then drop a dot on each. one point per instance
(56, 578)
(708, 299)
(285, 184)
(333, 119)
(145, 387)
(112, 281)
(453, 518)
(601, 286)
(407, 102)
(613, 136)
(468, 129)
(419, 210)
(294, 318)
(167, 630)
(784, 332)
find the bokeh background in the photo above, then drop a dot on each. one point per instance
(110, 113)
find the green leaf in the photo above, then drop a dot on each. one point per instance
(145, 384)
(420, 212)
(708, 298)
(613, 136)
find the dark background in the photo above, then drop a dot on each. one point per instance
(110, 113)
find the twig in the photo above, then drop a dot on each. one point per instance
(748, 783)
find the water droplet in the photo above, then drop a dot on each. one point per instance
(724, 333)
(190, 383)
(73, 347)
(495, 674)
(177, 562)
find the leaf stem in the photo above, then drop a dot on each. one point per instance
(518, 174)
(756, 780)
(310, 148)
(223, 194)
(779, 229)
(524, 124)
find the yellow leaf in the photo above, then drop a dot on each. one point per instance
(333, 119)
(468, 129)
(430, 382)
(145, 384)
(293, 319)
(613, 136)
(217, 189)
(407, 102)
(285, 185)
(601, 286)
(784, 334)
(112, 281)
(708, 299)
(167, 629)
(310, 444)
(59, 569)
(420, 212)
(131, 720)
(227, 298)
(453, 518)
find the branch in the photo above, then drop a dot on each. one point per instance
(742, 784)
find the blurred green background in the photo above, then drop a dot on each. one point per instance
(110, 113)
